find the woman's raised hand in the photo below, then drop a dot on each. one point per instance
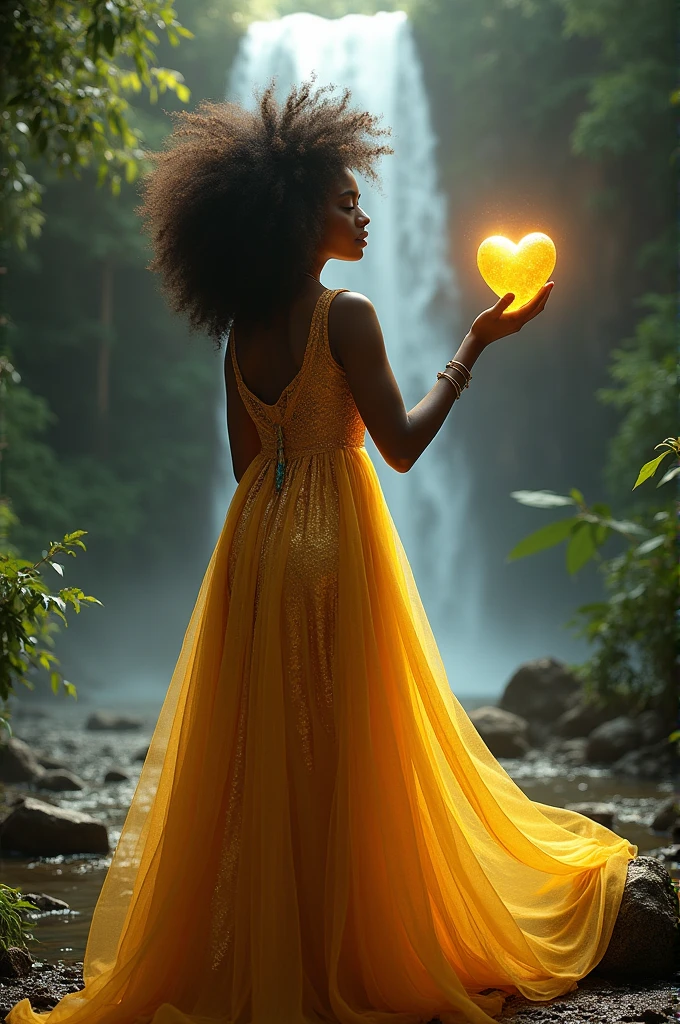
(495, 323)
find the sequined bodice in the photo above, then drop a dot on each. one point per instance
(316, 411)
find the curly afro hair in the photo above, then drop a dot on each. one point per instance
(234, 203)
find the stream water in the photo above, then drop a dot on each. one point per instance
(58, 731)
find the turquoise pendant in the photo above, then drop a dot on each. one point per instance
(280, 460)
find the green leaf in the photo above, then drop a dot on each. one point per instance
(626, 527)
(577, 496)
(581, 547)
(650, 545)
(547, 537)
(541, 499)
(649, 469)
(669, 475)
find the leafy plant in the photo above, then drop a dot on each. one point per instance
(30, 614)
(63, 92)
(634, 631)
(13, 928)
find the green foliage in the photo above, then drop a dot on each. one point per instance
(671, 444)
(628, 97)
(66, 69)
(13, 928)
(645, 384)
(31, 611)
(584, 532)
(635, 632)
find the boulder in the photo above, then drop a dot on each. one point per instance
(658, 761)
(574, 751)
(49, 762)
(540, 691)
(15, 962)
(612, 740)
(18, 763)
(652, 727)
(102, 720)
(667, 815)
(36, 828)
(603, 814)
(505, 734)
(45, 904)
(60, 780)
(644, 942)
(116, 775)
(580, 719)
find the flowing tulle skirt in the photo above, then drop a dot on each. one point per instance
(318, 832)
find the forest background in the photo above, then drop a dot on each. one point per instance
(560, 105)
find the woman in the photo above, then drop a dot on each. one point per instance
(318, 833)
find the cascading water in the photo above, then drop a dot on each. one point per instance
(406, 273)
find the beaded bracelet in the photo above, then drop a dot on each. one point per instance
(459, 390)
(467, 374)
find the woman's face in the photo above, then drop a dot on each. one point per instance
(346, 223)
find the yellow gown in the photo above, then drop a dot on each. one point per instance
(318, 833)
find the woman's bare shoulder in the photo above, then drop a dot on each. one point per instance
(353, 326)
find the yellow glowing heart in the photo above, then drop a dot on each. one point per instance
(522, 268)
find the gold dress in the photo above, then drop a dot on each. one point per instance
(319, 834)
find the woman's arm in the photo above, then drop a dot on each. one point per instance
(244, 440)
(355, 335)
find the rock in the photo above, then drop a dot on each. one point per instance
(18, 763)
(611, 740)
(505, 734)
(574, 751)
(116, 775)
(655, 762)
(45, 904)
(584, 716)
(645, 939)
(49, 762)
(141, 754)
(60, 780)
(540, 691)
(15, 962)
(109, 720)
(652, 727)
(36, 828)
(603, 814)
(44, 986)
(667, 814)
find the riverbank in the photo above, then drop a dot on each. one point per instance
(596, 1001)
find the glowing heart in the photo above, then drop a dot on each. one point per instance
(522, 268)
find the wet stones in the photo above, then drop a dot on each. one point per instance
(540, 691)
(505, 734)
(15, 962)
(36, 828)
(60, 780)
(646, 936)
(611, 740)
(18, 763)
(107, 720)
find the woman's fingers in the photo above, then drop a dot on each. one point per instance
(502, 304)
(532, 308)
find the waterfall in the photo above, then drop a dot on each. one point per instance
(407, 275)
